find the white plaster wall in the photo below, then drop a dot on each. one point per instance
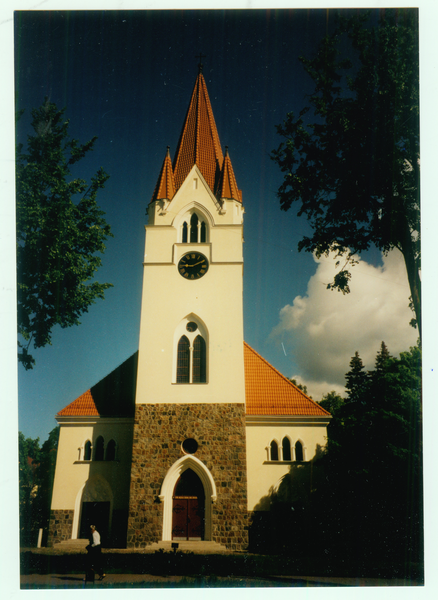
(71, 473)
(262, 476)
(216, 298)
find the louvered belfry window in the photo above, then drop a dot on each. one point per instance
(199, 360)
(194, 228)
(184, 233)
(183, 361)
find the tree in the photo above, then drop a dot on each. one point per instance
(332, 402)
(36, 475)
(372, 494)
(60, 231)
(357, 379)
(28, 456)
(354, 170)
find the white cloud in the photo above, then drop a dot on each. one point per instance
(324, 328)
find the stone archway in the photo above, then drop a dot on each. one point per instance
(169, 486)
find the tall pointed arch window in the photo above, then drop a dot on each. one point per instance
(183, 361)
(87, 450)
(286, 449)
(111, 450)
(199, 360)
(273, 450)
(191, 352)
(299, 454)
(99, 449)
(194, 221)
(184, 232)
(194, 229)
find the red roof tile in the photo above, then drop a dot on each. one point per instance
(199, 141)
(81, 407)
(228, 185)
(268, 392)
(165, 187)
(198, 144)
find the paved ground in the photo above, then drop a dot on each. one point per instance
(74, 581)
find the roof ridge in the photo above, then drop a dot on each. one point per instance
(284, 378)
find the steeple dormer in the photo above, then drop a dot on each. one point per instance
(227, 185)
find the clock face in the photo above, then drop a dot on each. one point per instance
(193, 265)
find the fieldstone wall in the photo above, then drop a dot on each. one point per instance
(159, 431)
(60, 527)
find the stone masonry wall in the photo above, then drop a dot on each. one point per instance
(159, 432)
(60, 527)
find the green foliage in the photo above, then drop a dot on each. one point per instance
(354, 170)
(300, 386)
(332, 402)
(36, 475)
(375, 457)
(60, 231)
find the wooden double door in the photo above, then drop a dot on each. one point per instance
(188, 510)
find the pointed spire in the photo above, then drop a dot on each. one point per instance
(199, 141)
(227, 184)
(165, 187)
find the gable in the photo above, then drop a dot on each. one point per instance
(113, 396)
(268, 392)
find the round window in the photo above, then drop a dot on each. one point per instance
(191, 326)
(190, 446)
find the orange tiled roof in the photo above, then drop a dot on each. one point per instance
(198, 144)
(228, 185)
(199, 141)
(268, 392)
(82, 406)
(112, 396)
(165, 187)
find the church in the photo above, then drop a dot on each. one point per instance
(189, 438)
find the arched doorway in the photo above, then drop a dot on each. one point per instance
(94, 507)
(188, 508)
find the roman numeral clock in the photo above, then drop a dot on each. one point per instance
(193, 265)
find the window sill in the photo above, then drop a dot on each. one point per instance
(88, 462)
(284, 462)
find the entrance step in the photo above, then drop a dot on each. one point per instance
(195, 547)
(79, 544)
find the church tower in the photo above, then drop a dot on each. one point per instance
(188, 475)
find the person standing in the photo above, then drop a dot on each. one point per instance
(95, 553)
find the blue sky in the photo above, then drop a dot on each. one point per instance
(127, 77)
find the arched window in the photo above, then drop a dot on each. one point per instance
(194, 228)
(87, 450)
(111, 450)
(203, 232)
(98, 451)
(299, 457)
(199, 360)
(184, 233)
(183, 361)
(191, 351)
(274, 450)
(286, 449)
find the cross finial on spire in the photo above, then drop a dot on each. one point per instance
(201, 56)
